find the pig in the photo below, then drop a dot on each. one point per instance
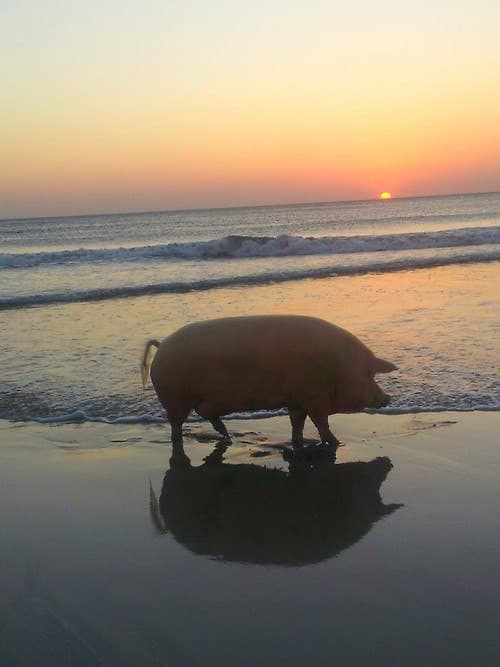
(233, 364)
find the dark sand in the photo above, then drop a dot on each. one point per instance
(244, 564)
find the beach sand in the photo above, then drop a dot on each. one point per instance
(244, 563)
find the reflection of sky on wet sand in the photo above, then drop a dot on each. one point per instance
(83, 566)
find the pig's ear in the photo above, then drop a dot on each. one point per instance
(383, 366)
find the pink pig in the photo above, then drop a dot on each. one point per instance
(234, 364)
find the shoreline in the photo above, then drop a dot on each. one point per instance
(80, 417)
(268, 434)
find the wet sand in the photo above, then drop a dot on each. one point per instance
(111, 557)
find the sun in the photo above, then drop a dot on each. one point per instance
(385, 195)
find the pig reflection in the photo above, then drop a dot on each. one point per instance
(251, 514)
(235, 364)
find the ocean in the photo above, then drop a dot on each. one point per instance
(416, 279)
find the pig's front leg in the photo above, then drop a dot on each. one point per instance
(320, 420)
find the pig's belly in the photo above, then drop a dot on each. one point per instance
(216, 404)
(242, 392)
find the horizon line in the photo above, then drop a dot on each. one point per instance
(247, 206)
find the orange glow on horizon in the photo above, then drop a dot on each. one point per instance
(140, 122)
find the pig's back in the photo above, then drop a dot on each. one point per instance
(239, 359)
(252, 338)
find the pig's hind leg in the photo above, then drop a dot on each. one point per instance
(297, 419)
(177, 413)
(207, 410)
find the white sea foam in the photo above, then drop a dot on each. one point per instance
(81, 416)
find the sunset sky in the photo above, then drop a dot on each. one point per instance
(122, 105)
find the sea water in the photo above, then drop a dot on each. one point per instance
(416, 279)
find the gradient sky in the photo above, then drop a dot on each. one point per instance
(122, 105)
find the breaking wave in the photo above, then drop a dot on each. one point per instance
(241, 247)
